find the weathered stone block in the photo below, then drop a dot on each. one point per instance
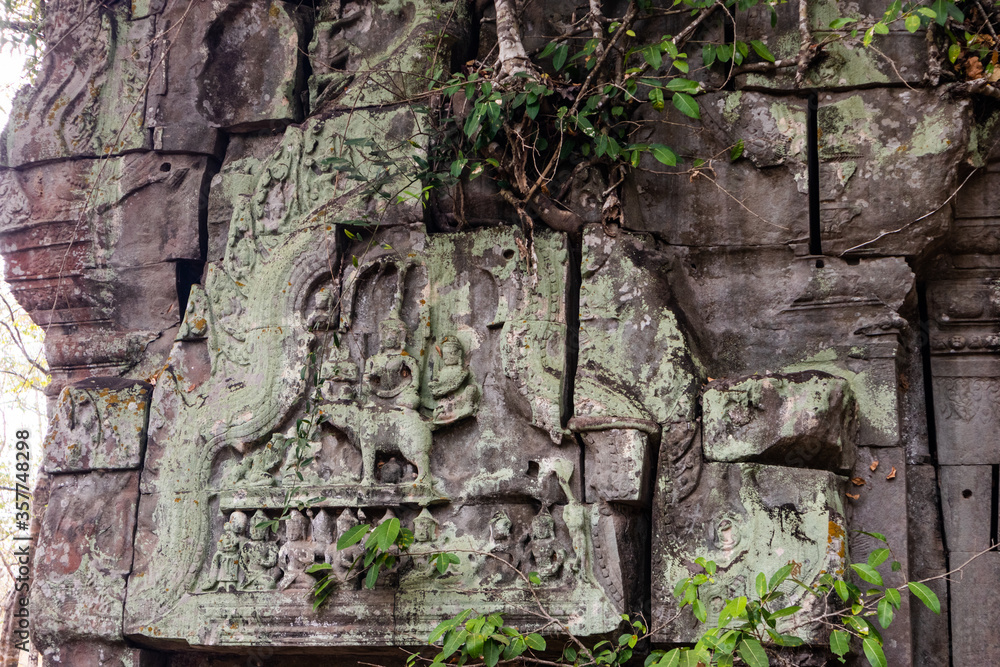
(100, 654)
(975, 640)
(98, 424)
(738, 516)
(878, 506)
(967, 408)
(634, 367)
(804, 420)
(618, 465)
(83, 555)
(92, 98)
(873, 148)
(966, 504)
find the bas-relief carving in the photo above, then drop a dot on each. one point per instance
(90, 99)
(425, 361)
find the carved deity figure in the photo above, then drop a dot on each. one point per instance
(545, 550)
(391, 373)
(258, 557)
(226, 561)
(323, 536)
(296, 554)
(344, 559)
(456, 394)
(425, 527)
(339, 374)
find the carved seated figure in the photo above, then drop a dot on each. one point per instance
(296, 554)
(456, 394)
(258, 557)
(392, 373)
(226, 561)
(388, 420)
(544, 548)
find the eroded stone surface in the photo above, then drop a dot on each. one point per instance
(737, 516)
(506, 392)
(805, 420)
(98, 424)
(83, 556)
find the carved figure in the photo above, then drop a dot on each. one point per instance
(456, 393)
(344, 559)
(255, 469)
(544, 548)
(258, 557)
(393, 376)
(392, 373)
(296, 554)
(425, 527)
(226, 561)
(323, 536)
(391, 471)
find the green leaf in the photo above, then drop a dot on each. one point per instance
(761, 584)
(867, 573)
(651, 54)
(664, 155)
(724, 52)
(683, 85)
(372, 576)
(779, 577)
(892, 595)
(352, 536)
(535, 641)
(753, 653)
(708, 54)
(840, 642)
(442, 628)
(873, 651)
(954, 51)
(761, 50)
(559, 59)
(912, 23)
(837, 24)
(687, 105)
(699, 611)
(454, 640)
(878, 557)
(787, 611)
(736, 152)
(878, 536)
(842, 591)
(925, 595)
(318, 567)
(670, 659)
(389, 535)
(884, 612)
(881, 28)
(491, 653)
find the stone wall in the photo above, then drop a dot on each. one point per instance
(601, 407)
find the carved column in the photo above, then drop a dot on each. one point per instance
(963, 304)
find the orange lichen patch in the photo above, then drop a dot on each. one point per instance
(836, 532)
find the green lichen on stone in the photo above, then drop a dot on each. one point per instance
(801, 420)
(753, 518)
(877, 401)
(731, 106)
(634, 361)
